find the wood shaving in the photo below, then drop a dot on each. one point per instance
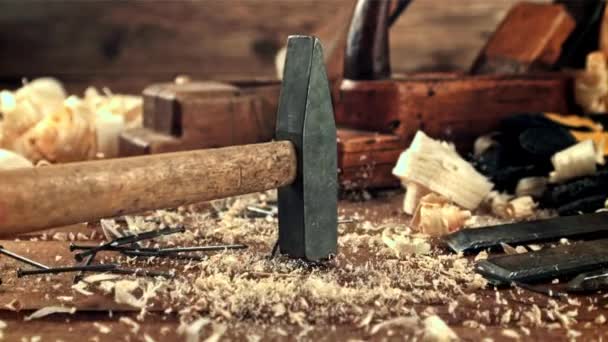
(49, 310)
(573, 334)
(218, 332)
(14, 305)
(80, 287)
(10, 160)
(506, 207)
(591, 85)
(531, 186)
(104, 329)
(575, 161)
(403, 244)
(483, 255)
(435, 330)
(147, 338)
(413, 195)
(131, 323)
(435, 164)
(436, 216)
(600, 320)
(510, 333)
(192, 331)
(42, 123)
(365, 321)
(508, 249)
(405, 322)
(123, 293)
(96, 278)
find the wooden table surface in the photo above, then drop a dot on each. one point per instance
(33, 293)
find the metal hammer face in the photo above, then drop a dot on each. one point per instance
(308, 206)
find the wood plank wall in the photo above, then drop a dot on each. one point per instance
(126, 44)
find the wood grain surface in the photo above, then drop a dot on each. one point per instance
(32, 293)
(129, 44)
(82, 192)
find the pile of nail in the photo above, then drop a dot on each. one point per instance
(126, 245)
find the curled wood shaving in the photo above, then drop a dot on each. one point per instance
(80, 287)
(436, 216)
(131, 323)
(414, 193)
(574, 161)
(591, 85)
(49, 310)
(405, 322)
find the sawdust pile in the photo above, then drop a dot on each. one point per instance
(381, 272)
(386, 281)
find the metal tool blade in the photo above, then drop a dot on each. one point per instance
(579, 226)
(589, 281)
(308, 206)
(549, 263)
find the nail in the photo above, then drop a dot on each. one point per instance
(129, 239)
(201, 248)
(23, 259)
(163, 255)
(55, 270)
(87, 262)
(265, 212)
(165, 250)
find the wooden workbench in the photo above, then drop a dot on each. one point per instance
(32, 294)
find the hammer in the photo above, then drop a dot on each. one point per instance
(301, 163)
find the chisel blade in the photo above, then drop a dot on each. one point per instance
(548, 263)
(589, 281)
(579, 226)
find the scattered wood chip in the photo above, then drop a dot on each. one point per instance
(510, 333)
(193, 330)
(14, 305)
(406, 322)
(49, 310)
(435, 330)
(104, 329)
(218, 332)
(128, 321)
(80, 287)
(366, 320)
(95, 278)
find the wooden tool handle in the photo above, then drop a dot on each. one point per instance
(39, 198)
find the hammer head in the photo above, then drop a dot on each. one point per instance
(308, 207)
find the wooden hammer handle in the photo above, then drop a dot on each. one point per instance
(39, 198)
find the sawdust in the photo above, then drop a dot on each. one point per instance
(247, 285)
(372, 285)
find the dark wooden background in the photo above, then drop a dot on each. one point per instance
(126, 44)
